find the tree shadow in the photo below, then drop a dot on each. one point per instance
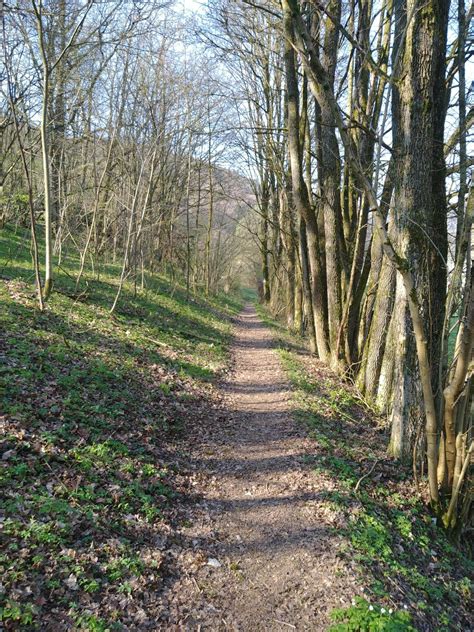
(90, 476)
(106, 434)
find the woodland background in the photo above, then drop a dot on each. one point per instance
(321, 151)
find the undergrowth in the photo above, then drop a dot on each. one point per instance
(410, 576)
(90, 404)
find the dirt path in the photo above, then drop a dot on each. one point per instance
(265, 546)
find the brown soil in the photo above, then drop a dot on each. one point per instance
(261, 553)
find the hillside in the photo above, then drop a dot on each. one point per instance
(92, 408)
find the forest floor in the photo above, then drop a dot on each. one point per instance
(180, 467)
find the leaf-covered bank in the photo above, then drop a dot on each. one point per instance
(90, 476)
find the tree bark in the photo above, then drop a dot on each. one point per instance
(300, 192)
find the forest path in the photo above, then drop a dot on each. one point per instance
(265, 531)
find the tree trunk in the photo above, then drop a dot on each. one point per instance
(300, 192)
(419, 197)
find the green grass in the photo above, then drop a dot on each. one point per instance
(411, 573)
(90, 405)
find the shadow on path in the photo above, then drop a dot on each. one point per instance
(263, 514)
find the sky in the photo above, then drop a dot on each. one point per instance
(194, 5)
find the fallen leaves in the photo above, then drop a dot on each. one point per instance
(92, 482)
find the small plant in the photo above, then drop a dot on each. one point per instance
(90, 623)
(13, 612)
(90, 585)
(165, 388)
(125, 588)
(464, 587)
(364, 617)
(148, 469)
(124, 566)
(371, 538)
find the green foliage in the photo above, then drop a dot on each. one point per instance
(364, 617)
(371, 537)
(91, 623)
(14, 613)
(464, 587)
(249, 295)
(123, 567)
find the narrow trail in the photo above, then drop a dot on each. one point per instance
(264, 522)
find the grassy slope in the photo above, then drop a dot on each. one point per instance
(90, 406)
(404, 562)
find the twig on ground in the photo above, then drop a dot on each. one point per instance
(156, 342)
(290, 625)
(365, 476)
